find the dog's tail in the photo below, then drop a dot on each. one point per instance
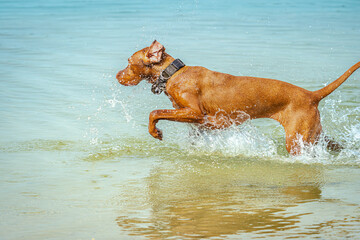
(320, 94)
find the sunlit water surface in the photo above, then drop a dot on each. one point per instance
(76, 161)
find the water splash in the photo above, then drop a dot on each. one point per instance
(243, 140)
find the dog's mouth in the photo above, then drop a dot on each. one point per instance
(125, 80)
(133, 82)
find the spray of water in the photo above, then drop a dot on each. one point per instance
(244, 140)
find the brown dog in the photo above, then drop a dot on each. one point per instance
(217, 100)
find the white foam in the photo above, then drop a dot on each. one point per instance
(244, 140)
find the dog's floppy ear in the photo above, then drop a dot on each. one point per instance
(155, 52)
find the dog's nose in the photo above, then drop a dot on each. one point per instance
(119, 75)
(124, 78)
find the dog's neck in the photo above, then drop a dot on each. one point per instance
(158, 69)
(159, 85)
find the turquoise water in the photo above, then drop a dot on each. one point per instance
(77, 162)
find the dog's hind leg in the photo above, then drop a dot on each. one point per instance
(302, 128)
(333, 145)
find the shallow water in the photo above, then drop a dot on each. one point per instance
(76, 161)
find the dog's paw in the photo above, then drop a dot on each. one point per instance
(157, 133)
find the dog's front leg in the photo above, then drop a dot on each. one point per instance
(179, 115)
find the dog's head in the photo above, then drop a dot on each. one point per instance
(143, 64)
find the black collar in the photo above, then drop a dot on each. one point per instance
(160, 84)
